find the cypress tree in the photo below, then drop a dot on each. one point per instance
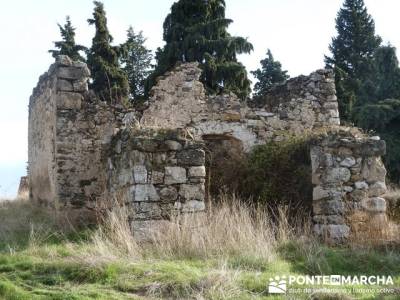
(136, 62)
(352, 51)
(196, 30)
(67, 46)
(109, 81)
(270, 74)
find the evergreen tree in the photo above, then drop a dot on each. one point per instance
(384, 118)
(380, 109)
(387, 73)
(109, 80)
(196, 30)
(383, 82)
(136, 61)
(270, 74)
(67, 46)
(352, 51)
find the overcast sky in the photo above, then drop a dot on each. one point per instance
(297, 31)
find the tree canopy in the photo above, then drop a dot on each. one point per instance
(268, 75)
(196, 30)
(352, 51)
(136, 61)
(109, 81)
(68, 46)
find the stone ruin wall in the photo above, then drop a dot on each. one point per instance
(41, 139)
(68, 132)
(298, 107)
(349, 179)
(158, 175)
(82, 150)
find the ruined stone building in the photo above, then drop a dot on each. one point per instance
(82, 150)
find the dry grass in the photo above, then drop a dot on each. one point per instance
(228, 229)
(114, 239)
(21, 221)
(228, 252)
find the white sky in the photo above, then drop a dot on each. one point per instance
(297, 31)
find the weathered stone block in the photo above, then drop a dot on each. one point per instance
(347, 189)
(73, 73)
(373, 170)
(197, 171)
(331, 219)
(64, 85)
(192, 191)
(145, 192)
(333, 233)
(321, 193)
(138, 158)
(361, 185)
(157, 177)
(358, 195)
(63, 60)
(69, 100)
(337, 175)
(140, 174)
(373, 148)
(191, 157)
(375, 204)
(377, 189)
(348, 162)
(328, 207)
(80, 85)
(125, 177)
(169, 194)
(192, 206)
(231, 117)
(175, 175)
(173, 145)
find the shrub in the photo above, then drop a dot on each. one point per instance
(279, 173)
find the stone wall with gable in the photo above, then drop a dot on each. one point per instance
(82, 150)
(297, 107)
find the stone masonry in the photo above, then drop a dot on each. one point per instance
(349, 179)
(68, 132)
(83, 151)
(160, 173)
(300, 106)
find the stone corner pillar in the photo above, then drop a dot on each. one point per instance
(349, 180)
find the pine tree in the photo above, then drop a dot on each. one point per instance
(270, 74)
(196, 30)
(352, 51)
(67, 46)
(136, 61)
(109, 80)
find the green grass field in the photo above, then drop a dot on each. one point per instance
(39, 261)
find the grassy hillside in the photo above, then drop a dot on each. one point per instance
(228, 254)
